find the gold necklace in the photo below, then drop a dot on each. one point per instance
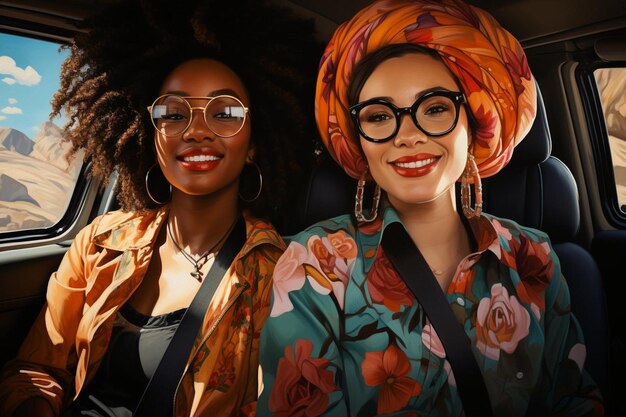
(202, 259)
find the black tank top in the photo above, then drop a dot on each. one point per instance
(137, 344)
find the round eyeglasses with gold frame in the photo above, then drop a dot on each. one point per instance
(224, 115)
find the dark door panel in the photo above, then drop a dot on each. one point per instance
(609, 249)
(24, 276)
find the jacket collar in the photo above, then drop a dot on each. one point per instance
(133, 230)
(129, 230)
(260, 232)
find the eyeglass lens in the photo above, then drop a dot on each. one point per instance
(224, 115)
(435, 115)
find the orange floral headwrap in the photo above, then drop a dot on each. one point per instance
(488, 62)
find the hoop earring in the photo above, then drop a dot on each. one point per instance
(160, 203)
(471, 170)
(256, 196)
(358, 200)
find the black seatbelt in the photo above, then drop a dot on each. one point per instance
(158, 398)
(412, 267)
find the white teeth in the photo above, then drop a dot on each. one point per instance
(200, 158)
(415, 164)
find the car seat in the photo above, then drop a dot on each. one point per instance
(538, 190)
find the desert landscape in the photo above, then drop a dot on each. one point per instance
(36, 180)
(612, 87)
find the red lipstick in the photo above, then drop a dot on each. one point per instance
(415, 165)
(199, 159)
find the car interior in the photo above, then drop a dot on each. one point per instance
(561, 179)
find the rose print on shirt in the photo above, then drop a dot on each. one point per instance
(501, 323)
(343, 245)
(388, 370)
(325, 259)
(385, 285)
(333, 255)
(535, 273)
(535, 269)
(302, 383)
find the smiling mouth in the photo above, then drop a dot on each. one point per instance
(415, 164)
(201, 158)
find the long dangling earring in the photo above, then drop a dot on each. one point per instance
(358, 200)
(250, 200)
(158, 202)
(470, 175)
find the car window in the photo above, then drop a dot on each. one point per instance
(611, 83)
(36, 179)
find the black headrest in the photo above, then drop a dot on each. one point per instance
(535, 189)
(537, 144)
(328, 193)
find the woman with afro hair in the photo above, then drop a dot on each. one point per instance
(201, 112)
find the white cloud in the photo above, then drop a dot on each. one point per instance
(9, 81)
(25, 76)
(2, 117)
(11, 110)
(12, 100)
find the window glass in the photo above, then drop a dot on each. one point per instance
(36, 179)
(612, 88)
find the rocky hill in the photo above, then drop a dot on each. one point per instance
(15, 141)
(36, 180)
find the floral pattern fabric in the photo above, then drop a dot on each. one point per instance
(346, 337)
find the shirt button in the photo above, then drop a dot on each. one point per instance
(519, 375)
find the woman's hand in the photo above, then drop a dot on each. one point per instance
(35, 406)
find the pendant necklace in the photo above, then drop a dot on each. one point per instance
(204, 258)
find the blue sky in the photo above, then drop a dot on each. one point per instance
(29, 77)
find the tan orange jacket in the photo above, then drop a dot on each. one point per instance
(105, 264)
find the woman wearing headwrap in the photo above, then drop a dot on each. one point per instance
(414, 96)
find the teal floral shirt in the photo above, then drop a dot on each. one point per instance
(346, 337)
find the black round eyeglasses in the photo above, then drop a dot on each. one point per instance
(435, 113)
